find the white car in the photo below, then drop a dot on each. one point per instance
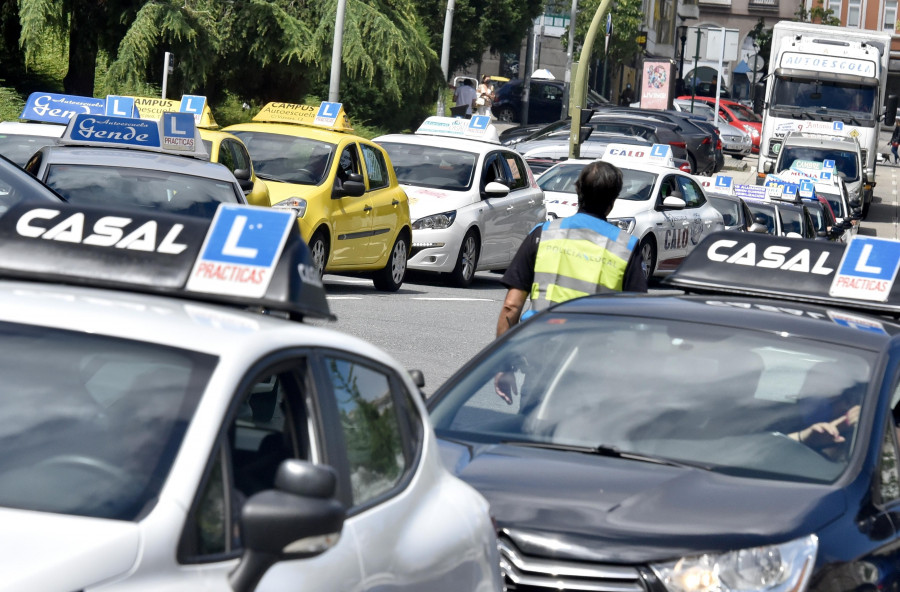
(664, 207)
(471, 200)
(169, 424)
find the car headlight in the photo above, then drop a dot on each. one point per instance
(754, 133)
(435, 221)
(773, 568)
(298, 204)
(626, 224)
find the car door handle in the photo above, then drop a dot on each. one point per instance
(367, 209)
(510, 208)
(395, 202)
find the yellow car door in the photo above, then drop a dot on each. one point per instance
(390, 208)
(351, 217)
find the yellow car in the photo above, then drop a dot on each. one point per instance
(222, 147)
(350, 208)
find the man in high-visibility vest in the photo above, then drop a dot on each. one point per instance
(571, 257)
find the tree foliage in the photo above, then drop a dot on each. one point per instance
(762, 38)
(817, 14)
(627, 21)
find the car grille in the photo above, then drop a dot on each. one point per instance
(523, 573)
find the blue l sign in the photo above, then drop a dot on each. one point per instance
(868, 269)
(723, 181)
(117, 106)
(329, 110)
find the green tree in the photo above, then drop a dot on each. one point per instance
(762, 38)
(817, 14)
(627, 21)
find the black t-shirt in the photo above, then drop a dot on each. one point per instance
(520, 273)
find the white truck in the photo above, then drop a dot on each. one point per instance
(826, 80)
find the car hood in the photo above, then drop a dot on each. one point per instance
(59, 553)
(282, 191)
(424, 201)
(629, 207)
(624, 511)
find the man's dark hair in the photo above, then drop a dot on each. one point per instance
(597, 187)
(467, 82)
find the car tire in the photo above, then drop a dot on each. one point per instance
(466, 261)
(390, 277)
(506, 115)
(693, 162)
(737, 156)
(318, 250)
(647, 248)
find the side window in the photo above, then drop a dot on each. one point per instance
(492, 171)
(371, 425)
(348, 164)
(519, 178)
(889, 478)
(226, 157)
(240, 155)
(693, 195)
(34, 163)
(375, 167)
(267, 428)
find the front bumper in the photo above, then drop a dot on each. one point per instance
(434, 250)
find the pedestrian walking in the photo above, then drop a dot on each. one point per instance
(464, 95)
(485, 97)
(627, 96)
(895, 140)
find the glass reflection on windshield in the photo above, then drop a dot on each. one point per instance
(584, 381)
(431, 166)
(288, 159)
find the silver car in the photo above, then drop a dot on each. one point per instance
(735, 142)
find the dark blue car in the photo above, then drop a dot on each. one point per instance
(545, 101)
(718, 440)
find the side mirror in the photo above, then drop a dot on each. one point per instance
(674, 202)
(496, 189)
(418, 378)
(854, 203)
(242, 174)
(768, 167)
(349, 187)
(890, 110)
(758, 228)
(298, 519)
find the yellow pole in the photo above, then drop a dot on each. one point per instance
(579, 87)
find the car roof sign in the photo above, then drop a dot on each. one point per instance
(119, 106)
(153, 108)
(479, 127)
(326, 115)
(750, 191)
(658, 154)
(170, 134)
(804, 270)
(57, 108)
(867, 270)
(246, 256)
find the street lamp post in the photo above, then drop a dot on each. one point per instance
(682, 29)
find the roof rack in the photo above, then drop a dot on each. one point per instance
(245, 256)
(860, 275)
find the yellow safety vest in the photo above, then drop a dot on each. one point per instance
(579, 256)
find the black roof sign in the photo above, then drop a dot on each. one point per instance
(795, 269)
(246, 256)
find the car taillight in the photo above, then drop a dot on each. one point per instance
(678, 144)
(706, 140)
(718, 144)
(686, 167)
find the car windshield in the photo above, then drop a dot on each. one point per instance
(431, 166)
(288, 159)
(729, 208)
(560, 178)
(700, 108)
(583, 381)
(637, 185)
(845, 162)
(742, 113)
(96, 435)
(159, 190)
(19, 148)
(823, 96)
(762, 213)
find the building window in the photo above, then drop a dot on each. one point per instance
(853, 13)
(890, 15)
(835, 6)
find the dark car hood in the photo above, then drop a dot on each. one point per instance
(625, 511)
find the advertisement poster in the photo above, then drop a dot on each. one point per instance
(657, 84)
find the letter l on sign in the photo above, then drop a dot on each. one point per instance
(234, 236)
(863, 263)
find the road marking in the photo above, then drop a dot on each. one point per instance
(343, 297)
(453, 299)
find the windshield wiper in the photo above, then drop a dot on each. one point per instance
(266, 177)
(610, 451)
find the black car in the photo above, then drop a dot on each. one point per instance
(717, 440)
(16, 185)
(735, 213)
(783, 218)
(544, 101)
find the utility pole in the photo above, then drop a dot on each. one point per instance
(696, 63)
(168, 67)
(445, 52)
(334, 86)
(526, 82)
(567, 89)
(579, 89)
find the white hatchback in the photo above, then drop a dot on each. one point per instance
(472, 201)
(663, 207)
(161, 434)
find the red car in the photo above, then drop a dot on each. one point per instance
(737, 115)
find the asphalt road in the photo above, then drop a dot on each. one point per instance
(436, 328)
